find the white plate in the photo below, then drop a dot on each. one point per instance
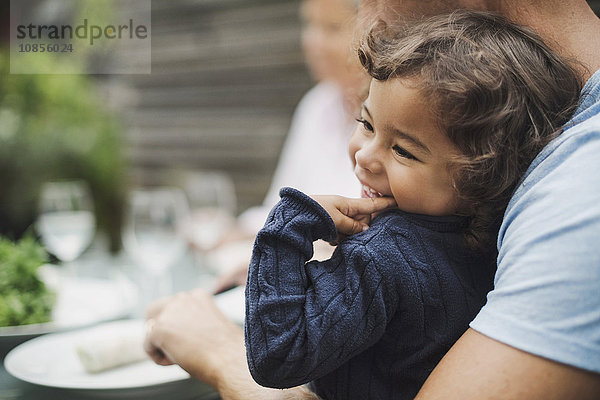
(51, 360)
(232, 304)
(80, 302)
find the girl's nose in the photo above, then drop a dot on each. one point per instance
(368, 158)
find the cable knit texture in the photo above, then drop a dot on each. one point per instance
(369, 323)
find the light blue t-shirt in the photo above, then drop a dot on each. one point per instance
(546, 297)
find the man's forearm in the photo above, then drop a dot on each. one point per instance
(478, 367)
(234, 382)
(230, 376)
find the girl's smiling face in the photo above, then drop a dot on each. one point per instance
(398, 150)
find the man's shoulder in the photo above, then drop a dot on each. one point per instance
(561, 183)
(571, 158)
(559, 191)
(548, 251)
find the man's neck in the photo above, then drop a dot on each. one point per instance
(569, 27)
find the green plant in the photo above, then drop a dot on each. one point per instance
(24, 298)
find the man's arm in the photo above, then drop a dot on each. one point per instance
(478, 367)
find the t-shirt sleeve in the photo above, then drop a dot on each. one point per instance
(304, 319)
(546, 294)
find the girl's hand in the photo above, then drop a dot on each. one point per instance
(352, 216)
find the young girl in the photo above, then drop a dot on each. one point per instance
(459, 105)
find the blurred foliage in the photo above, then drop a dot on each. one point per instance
(24, 298)
(55, 127)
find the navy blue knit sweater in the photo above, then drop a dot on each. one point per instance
(372, 321)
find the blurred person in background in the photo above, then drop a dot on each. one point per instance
(538, 335)
(314, 157)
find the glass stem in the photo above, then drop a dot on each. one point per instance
(155, 285)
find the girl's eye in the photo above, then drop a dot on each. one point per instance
(366, 124)
(403, 153)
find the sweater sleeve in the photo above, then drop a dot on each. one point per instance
(305, 319)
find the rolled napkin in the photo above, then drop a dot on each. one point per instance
(103, 349)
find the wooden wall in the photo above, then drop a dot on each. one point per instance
(226, 76)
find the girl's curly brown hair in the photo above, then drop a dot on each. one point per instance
(499, 93)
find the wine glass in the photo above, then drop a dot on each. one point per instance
(213, 203)
(153, 234)
(66, 220)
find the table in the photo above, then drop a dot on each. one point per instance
(186, 275)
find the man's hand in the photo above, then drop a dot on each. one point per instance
(188, 329)
(352, 216)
